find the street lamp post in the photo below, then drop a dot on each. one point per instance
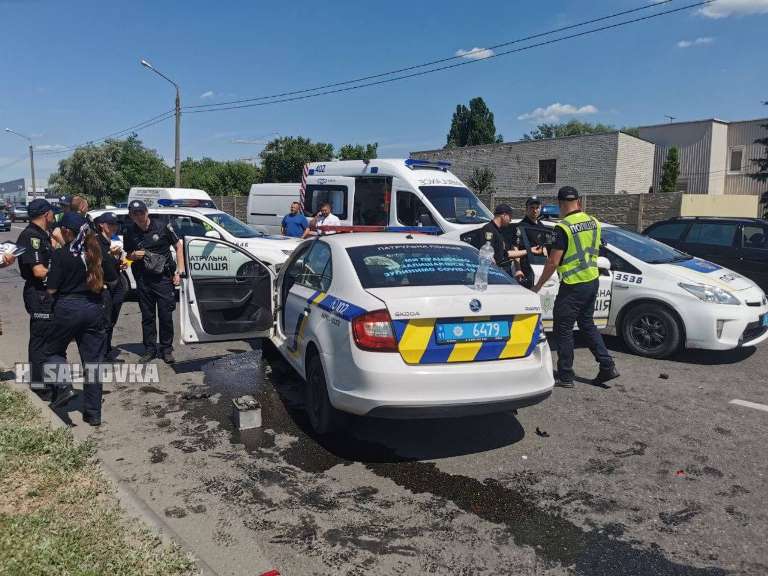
(31, 156)
(178, 120)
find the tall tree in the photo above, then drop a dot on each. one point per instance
(761, 175)
(219, 178)
(570, 128)
(670, 171)
(482, 181)
(472, 126)
(359, 151)
(284, 158)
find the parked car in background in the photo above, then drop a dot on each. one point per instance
(19, 213)
(5, 223)
(740, 244)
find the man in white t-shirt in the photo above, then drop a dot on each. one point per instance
(324, 218)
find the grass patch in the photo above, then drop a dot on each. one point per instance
(58, 515)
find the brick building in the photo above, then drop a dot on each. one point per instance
(611, 163)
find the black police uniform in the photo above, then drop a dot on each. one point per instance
(37, 301)
(79, 316)
(529, 278)
(156, 292)
(114, 295)
(498, 244)
(575, 304)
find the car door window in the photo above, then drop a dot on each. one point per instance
(712, 233)
(316, 274)
(188, 226)
(618, 264)
(410, 209)
(754, 236)
(668, 231)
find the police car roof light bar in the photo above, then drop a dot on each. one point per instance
(431, 230)
(414, 163)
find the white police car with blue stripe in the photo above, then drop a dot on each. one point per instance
(385, 324)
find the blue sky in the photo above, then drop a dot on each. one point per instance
(71, 74)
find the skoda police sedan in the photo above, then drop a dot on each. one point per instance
(663, 299)
(380, 324)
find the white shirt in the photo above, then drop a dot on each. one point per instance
(330, 220)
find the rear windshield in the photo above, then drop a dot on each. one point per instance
(392, 265)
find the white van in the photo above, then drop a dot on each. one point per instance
(171, 197)
(394, 192)
(268, 203)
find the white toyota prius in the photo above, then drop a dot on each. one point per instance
(663, 299)
(380, 324)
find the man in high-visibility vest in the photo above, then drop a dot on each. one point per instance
(574, 253)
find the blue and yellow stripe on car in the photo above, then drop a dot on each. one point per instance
(417, 342)
(331, 304)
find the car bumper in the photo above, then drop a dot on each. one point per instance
(720, 327)
(382, 384)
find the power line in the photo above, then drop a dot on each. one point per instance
(455, 65)
(434, 62)
(13, 162)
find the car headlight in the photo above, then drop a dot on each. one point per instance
(712, 294)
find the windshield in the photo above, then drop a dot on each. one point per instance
(456, 204)
(646, 249)
(387, 266)
(234, 226)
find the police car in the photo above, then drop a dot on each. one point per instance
(212, 223)
(663, 299)
(381, 324)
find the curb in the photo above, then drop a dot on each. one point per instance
(128, 499)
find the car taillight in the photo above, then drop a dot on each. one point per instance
(373, 332)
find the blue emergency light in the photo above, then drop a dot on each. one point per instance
(432, 230)
(416, 163)
(185, 203)
(550, 211)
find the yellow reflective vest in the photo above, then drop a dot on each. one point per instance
(579, 263)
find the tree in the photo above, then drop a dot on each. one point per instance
(570, 128)
(670, 171)
(284, 158)
(219, 178)
(472, 126)
(358, 151)
(632, 131)
(482, 181)
(762, 169)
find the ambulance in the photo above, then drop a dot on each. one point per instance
(379, 192)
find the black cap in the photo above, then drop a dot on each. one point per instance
(502, 209)
(38, 207)
(533, 200)
(65, 200)
(137, 206)
(72, 221)
(106, 218)
(567, 193)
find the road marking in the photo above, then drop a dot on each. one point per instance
(18, 227)
(754, 405)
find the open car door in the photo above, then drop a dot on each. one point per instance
(226, 294)
(543, 236)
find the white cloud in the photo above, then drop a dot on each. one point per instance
(697, 42)
(725, 8)
(475, 53)
(554, 112)
(206, 95)
(53, 147)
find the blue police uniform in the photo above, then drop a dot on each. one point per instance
(79, 316)
(39, 304)
(155, 290)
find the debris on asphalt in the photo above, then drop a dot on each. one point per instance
(680, 473)
(197, 394)
(524, 457)
(246, 413)
(664, 376)
(542, 433)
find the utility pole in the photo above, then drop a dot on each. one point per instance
(178, 121)
(31, 157)
(671, 118)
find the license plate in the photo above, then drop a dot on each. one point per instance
(450, 333)
(765, 319)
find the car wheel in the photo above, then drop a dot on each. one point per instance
(651, 330)
(323, 417)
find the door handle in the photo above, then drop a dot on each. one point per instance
(549, 284)
(620, 287)
(307, 311)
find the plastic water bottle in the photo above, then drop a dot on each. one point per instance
(484, 262)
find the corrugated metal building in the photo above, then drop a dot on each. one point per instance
(715, 156)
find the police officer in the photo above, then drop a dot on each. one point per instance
(532, 218)
(77, 279)
(574, 255)
(33, 266)
(148, 241)
(114, 295)
(492, 232)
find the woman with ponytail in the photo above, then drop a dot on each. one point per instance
(77, 277)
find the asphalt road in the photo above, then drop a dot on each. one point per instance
(654, 475)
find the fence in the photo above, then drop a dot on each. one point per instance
(237, 206)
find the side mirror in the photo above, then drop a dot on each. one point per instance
(603, 263)
(213, 234)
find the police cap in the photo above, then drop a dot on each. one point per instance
(137, 206)
(38, 207)
(502, 209)
(567, 193)
(106, 218)
(65, 200)
(533, 200)
(72, 221)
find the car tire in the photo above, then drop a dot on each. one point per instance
(323, 417)
(651, 330)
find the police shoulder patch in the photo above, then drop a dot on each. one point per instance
(35, 243)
